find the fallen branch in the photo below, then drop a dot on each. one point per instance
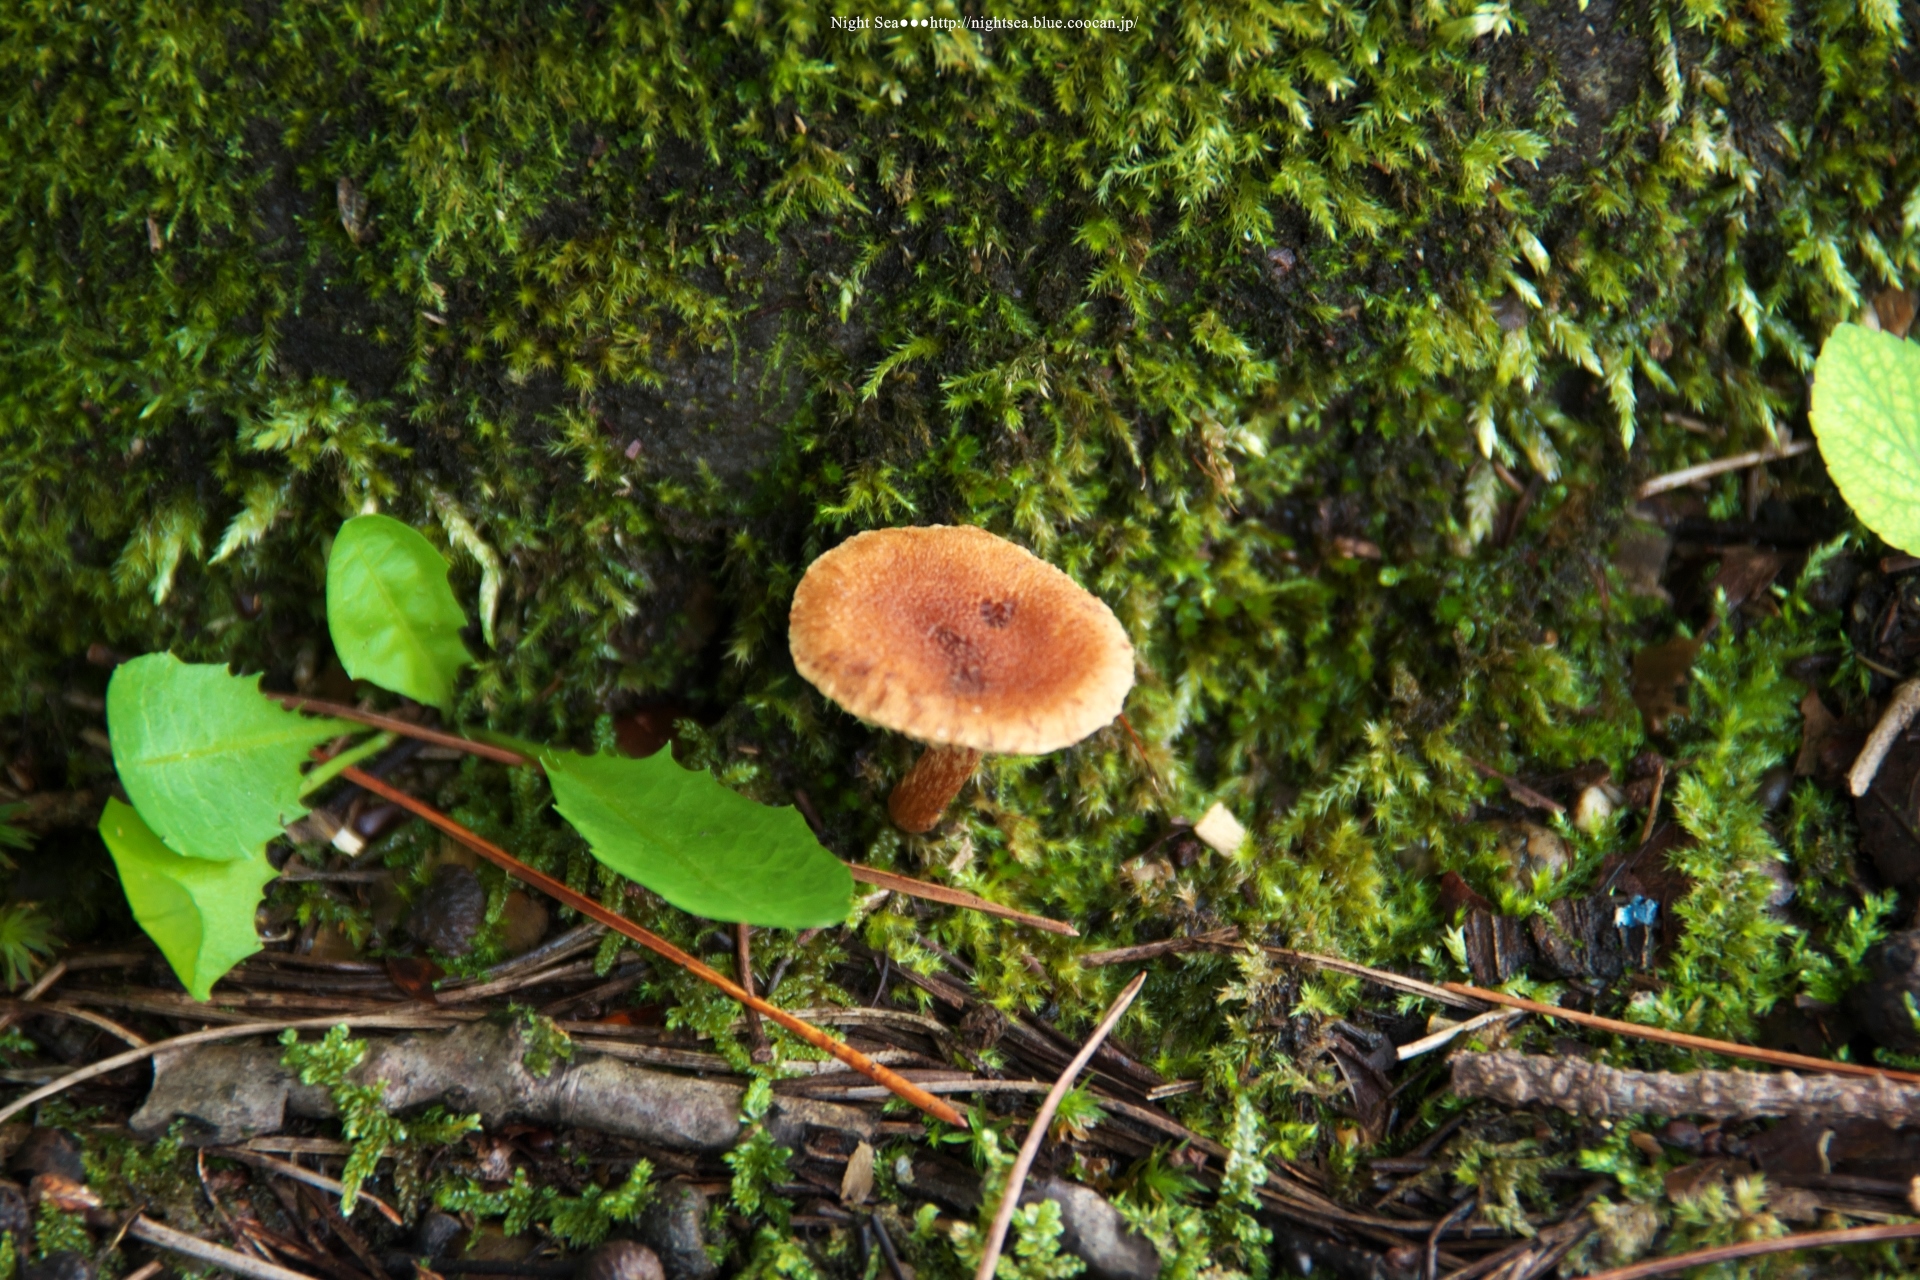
(1037, 1132)
(1893, 722)
(404, 1021)
(1720, 466)
(147, 1231)
(1680, 1039)
(1586, 1088)
(1758, 1248)
(230, 1093)
(659, 946)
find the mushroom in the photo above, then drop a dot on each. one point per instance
(960, 640)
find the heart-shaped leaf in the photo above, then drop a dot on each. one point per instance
(199, 912)
(1866, 415)
(393, 617)
(212, 766)
(705, 848)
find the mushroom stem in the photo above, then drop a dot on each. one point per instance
(923, 795)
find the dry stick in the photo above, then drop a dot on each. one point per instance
(1427, 1044)
(288, 1169)
(1459, 1211)
(373, 719)
(147, 1272)
(954, 897)
(659, 946)
(63, 1010)
(743, 965)
(1588, 1088)
(34, 992)
(1720, 466)
(884, 879)
(1517, 789)
(1680, 1039)
(1452, 993)
(147, 1231)
(220, 1210)
(1755, 1248)
(1653, 803)
(1017, 1176)
(1893, 722)
(398, 1021)
(1227, 937)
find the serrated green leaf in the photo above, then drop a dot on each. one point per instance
(1866, 416)
(210, 764)
(393, 617)
(706, 849)
(200, 913)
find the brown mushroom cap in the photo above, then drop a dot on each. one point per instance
(951, 635)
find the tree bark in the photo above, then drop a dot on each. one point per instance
(1587, 1088)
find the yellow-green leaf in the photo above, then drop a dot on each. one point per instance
(199, 912)
(1866, 416)
(212, 766)
(391, 612)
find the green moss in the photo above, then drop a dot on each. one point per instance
(648, 306)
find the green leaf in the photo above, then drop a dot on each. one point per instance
(199, 912)
(211, 764)
(1866, 415)
(393, 617)
(706, 849)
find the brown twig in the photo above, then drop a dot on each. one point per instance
(288, 1169)
(659, 946)
(1017, 1176)
(63, 1010)
(1517, 789)
(220, 1210)
(147, 1231)
(1757, 1248)
(1893, 722)
(1458, 1212)
(1653, 802)
(743, 965)
(1680, 1039)
(1166, 947)
(954, 897)
(1720, 466)
(1452, 993)
(406, 729)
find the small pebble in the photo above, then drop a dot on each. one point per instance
(623, 1260)
(1683, 1134)
(48, 1150)
(436, 1231)
(59, 1266)
(450, 912)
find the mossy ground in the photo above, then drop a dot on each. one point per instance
(1241, 316)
